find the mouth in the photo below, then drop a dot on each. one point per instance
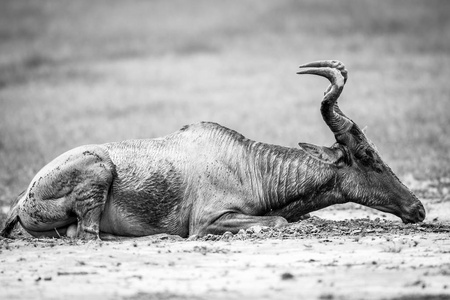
(386, 209)
(415, 215)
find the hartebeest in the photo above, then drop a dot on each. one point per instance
(206, 178)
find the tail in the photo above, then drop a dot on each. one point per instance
(13, 217)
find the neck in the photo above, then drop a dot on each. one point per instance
(292, 183)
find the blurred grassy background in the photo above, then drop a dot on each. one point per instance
(80, 72)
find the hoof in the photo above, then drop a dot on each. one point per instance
(72, 231)
(305, 217)
(280, 222)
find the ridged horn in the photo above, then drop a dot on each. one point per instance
(336, 73)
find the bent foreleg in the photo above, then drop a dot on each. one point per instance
(234, 222)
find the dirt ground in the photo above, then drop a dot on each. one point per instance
(343, 252)
(83, 72)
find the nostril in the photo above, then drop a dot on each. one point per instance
(421, 212)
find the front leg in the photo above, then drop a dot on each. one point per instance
(234, 222)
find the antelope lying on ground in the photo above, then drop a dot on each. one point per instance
(206, 178)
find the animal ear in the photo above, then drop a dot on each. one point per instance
(323, 154)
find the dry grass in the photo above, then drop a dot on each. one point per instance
(79, 72)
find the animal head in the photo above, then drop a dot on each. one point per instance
(361, 175)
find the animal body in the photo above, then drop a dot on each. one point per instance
(206, 178)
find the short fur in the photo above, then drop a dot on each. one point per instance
(206, 178)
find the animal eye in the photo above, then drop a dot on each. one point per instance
(360, 155)
(365, 157)
(377, 167)
(369, 153)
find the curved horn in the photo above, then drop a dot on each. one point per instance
(336, 73)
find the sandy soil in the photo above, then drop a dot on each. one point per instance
(342, 252)
(361, 258)
(67, 79)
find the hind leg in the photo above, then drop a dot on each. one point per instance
(90, 198)
(69, 231)
(71, 189)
